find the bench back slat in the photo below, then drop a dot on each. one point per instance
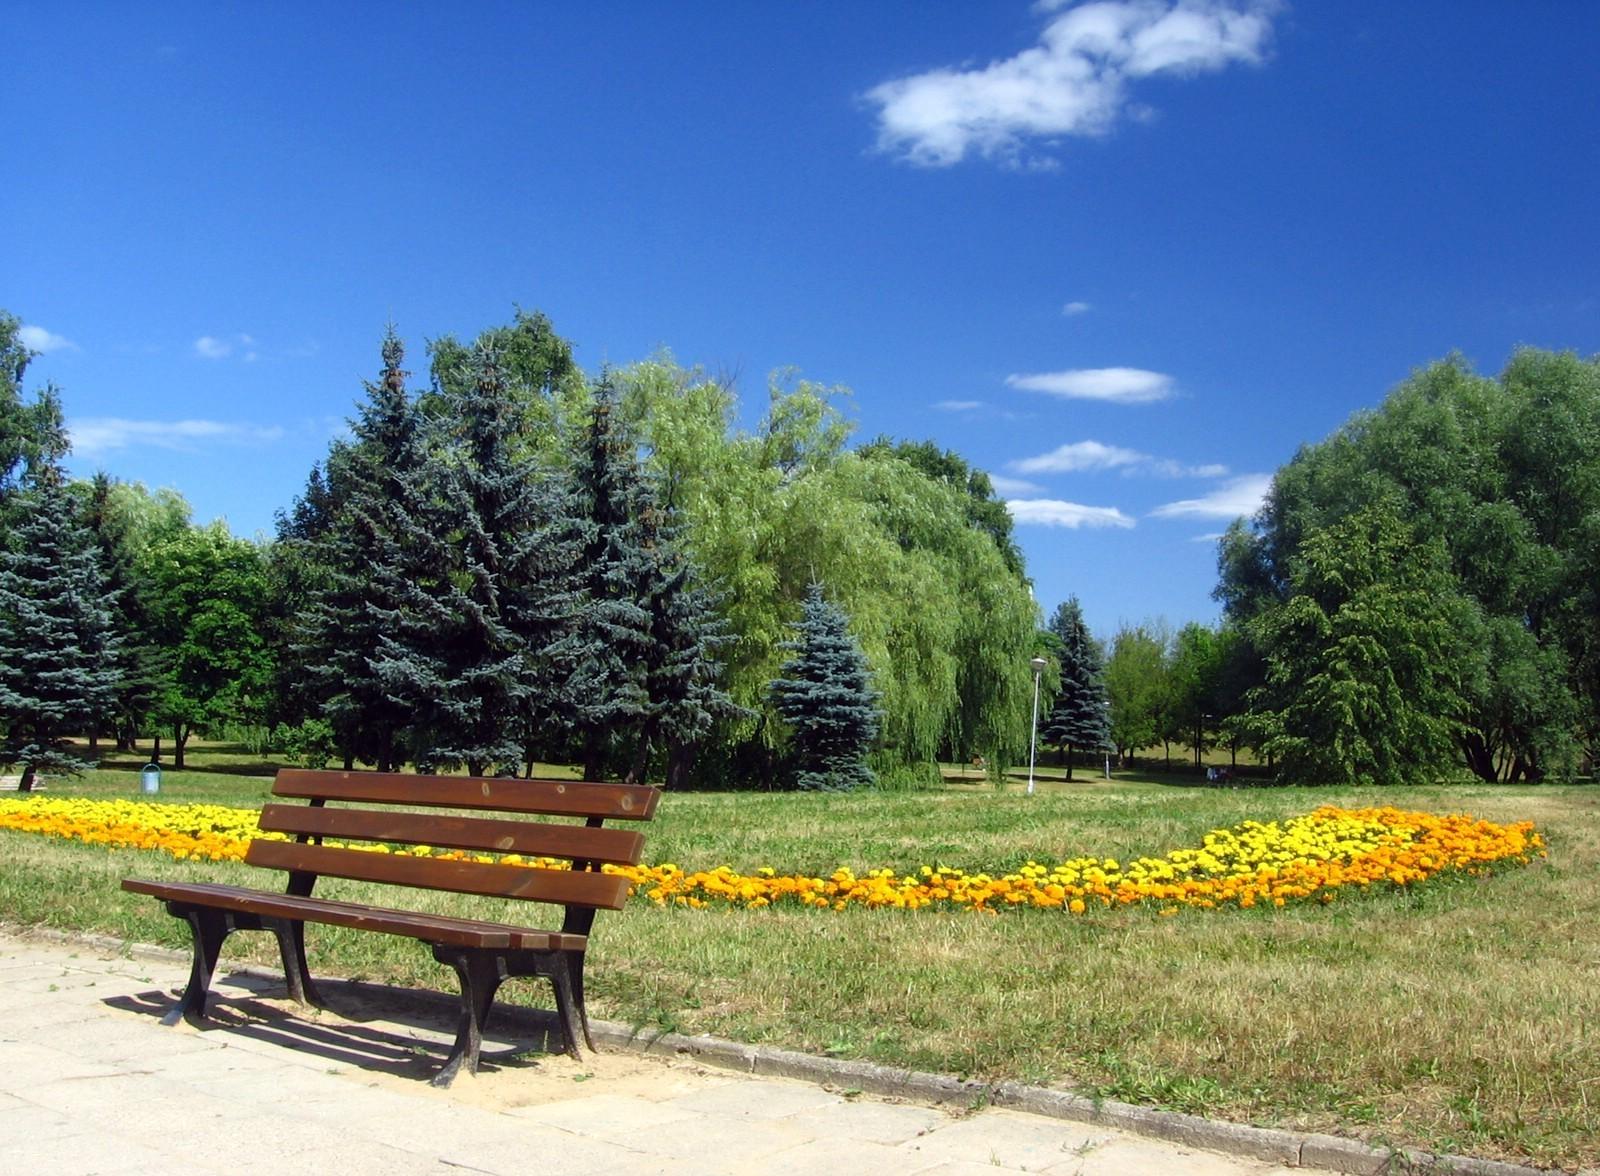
(574, 842)
(581, 887)
(561, 798)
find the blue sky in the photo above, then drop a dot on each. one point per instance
(1125, 256)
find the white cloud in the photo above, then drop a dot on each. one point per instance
(213, 347)
(38, 339)
(1051, 512)
(1091, 456)
(92, 436)
(1013, 487)
(958, 405)
(1079, 457)
(1073, 82)
(1237, 496)
(1208, 537)
(1072, 309)
(1165, 467)
(1119, 385)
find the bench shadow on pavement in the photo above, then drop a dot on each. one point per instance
(404, 1032)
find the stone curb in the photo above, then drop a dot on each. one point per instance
(1289, 1149)
(1328, 1152)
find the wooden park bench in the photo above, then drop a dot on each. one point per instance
(483, 953)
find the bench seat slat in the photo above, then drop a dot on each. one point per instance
(566, 798)
(581, 887)
(622, 846)
(473, 933)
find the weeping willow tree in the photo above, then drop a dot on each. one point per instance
(946, 623)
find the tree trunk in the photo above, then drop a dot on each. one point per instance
(26, 783)
(680, 758)
(641, 759)
(180, 737)
(1480, 757)
(594, 757)
(1066, 751)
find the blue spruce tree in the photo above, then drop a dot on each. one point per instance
(611, 643)
(683, 656)
(473, 649)
(57, 648)
(355, 545)
(826, 697)
(1080, 717)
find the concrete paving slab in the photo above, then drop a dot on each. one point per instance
(758, 1098)
(1010, 1139)
(1122, 1156)
(24, 1119)
(90, 1081)
(604, 1115)
(714, 1138)
(842, 1156)
(28, 1064)
(871, 1122)
(83, 1154)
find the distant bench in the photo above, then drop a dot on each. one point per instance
(482, 953)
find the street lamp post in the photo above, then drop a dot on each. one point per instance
(1038, 665)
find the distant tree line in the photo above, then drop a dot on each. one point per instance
(520, 563)
(1419, 596)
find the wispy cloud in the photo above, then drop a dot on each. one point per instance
(1119, 385)
(1013, 487)
(1073, 309)
(93, 436)
(958, 405)
(36, 338)
(1051, 512)
(1237, 496)
(1080, 457)
(1208, 537)
(214, 347)
(1075, 81)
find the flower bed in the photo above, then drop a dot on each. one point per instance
(1310, 858)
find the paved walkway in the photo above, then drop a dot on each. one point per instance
(90, 1082)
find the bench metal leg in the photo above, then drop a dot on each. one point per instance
(575, 979)
(210, 928)
(568, 1001)
(480, 975)
(291, 935)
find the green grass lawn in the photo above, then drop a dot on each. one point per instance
(1462, 1016)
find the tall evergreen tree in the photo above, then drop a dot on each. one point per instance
(611, 642)
(1080, 716)
(57, 647)
(826, 698)
(683, 659)
(354, 542)
(471, 651)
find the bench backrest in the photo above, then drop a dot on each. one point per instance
(381, 819)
